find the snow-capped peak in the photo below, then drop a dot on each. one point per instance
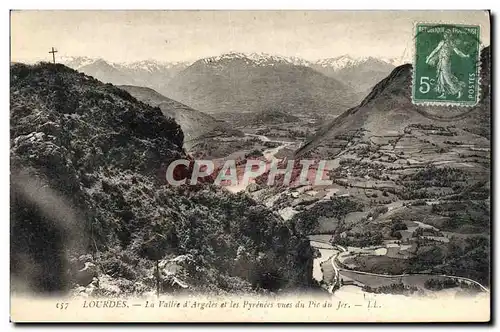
(264, 59)
(151, 65)
(345, 61)
(396, 61)
(256, 59)
(77, 62)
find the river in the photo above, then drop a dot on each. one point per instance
(270, 153)
(326, 251)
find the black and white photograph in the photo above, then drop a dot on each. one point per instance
(250, 166)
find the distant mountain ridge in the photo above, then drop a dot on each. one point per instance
(260, 90)
(259, 59)
(360, 73)
(237, 83)
(149, 73)
(344, 61)
(150, 65)
(335, 63)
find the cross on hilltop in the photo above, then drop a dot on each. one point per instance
(53, 54)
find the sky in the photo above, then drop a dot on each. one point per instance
(126, 36)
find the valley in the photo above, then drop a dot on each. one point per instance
(409, 203)
(395, 217)
(406, 213)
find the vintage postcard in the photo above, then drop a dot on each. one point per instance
(250, 166)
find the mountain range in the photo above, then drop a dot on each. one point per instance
(255, 82)
(235, 84)
(331, 64)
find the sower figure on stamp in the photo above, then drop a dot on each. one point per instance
(447, 83)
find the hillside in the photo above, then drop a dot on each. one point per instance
(90, 212)
(388, 110)
(194, 124)
(234, 84)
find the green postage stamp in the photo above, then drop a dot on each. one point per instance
(446, 64)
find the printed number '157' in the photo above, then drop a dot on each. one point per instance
(424, 84)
